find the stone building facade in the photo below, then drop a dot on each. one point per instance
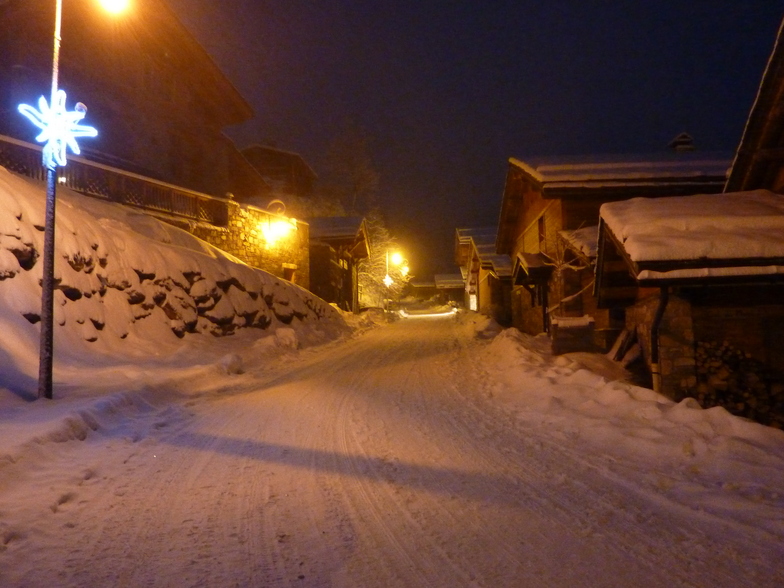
(248, 236)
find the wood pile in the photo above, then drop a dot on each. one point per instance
(733, 379)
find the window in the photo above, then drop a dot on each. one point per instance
(542, 234)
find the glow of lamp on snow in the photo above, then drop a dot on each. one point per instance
(115, 6)
(406, 314)
(388, 281)
(275, 230)
(59, 127)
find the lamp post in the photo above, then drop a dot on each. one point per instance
(59, 129)
(397, 260)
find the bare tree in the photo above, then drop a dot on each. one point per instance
(373, 270)
(350, 176)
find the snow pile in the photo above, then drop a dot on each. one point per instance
(126, 281)
(484, 327)
(367, 319)
(582, 400)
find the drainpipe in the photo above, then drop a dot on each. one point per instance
(657, 319)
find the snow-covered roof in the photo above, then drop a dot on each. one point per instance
(335, 227)
(500, 263)
(583, 240)
(702, 230)
(449, 281)
(422, 283)
(479, 235)
(618, 170)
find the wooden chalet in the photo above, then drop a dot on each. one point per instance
(158, 100)
(285, 172)
(694, 274)
(337, 245)
(548, 227)
(159, 104)
(450, 288)
(423, 289)
(759, 162)
(486, 274)
(700, 280)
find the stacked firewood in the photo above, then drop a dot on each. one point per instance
(733, 379)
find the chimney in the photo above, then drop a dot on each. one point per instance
(683, 142)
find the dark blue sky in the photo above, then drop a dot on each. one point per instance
(447, 91)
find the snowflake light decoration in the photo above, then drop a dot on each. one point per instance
(59, 128)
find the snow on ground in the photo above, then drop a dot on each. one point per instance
(425, 451)
(432, 451)
(708, 459)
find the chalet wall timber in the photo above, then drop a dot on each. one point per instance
(549, 215)
(759, 162)
(286, 173)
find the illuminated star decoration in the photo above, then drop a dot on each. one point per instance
(59, 128)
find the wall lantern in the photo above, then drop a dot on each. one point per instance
(276, 229)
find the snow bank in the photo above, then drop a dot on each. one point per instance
(129, 285)
(583, 400)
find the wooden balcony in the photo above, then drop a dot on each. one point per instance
(115, 185)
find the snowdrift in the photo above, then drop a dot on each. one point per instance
(128, 282)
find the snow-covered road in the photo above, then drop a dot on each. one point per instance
(383, 460)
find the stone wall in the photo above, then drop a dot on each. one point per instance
(244, 238)
(676, 342)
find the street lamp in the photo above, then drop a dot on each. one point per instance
(59, 129)
(397, 260)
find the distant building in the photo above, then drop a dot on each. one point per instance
(337, 245)
(424, 289)
(486, 274)
(286, 173)
(450, 288)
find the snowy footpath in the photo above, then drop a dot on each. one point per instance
(426, 452)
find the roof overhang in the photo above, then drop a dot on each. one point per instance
(531, 268)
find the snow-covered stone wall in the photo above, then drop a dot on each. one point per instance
(120, 271)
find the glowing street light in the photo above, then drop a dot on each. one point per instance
(396, 258)
(277, 229)
(115, 6)
(59, 129)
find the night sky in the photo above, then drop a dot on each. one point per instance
(447, 91)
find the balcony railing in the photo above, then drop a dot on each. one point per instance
(116, 185)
